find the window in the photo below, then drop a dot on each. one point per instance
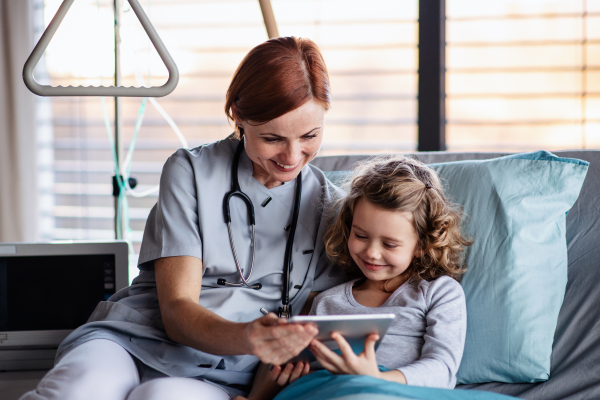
(370, 50)
(522, 75)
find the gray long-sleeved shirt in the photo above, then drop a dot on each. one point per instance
(426, 339)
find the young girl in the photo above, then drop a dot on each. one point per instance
(399, 236)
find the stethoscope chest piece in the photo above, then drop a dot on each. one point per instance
(285, 311)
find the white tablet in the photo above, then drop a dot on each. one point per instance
(354, 328)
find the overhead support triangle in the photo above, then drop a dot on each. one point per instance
(109, 91)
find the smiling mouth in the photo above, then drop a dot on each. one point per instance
(283, 167)
(374, 267)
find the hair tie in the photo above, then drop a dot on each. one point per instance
(428, 186)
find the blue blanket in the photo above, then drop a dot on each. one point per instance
(321, 385)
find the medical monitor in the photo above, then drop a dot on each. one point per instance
(49, 289)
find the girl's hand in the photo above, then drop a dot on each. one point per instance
(348, 363)
(287, 375)
(274, 341)
(267, 385)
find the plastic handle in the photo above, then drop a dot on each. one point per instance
(122, 91)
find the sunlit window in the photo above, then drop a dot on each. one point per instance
(522, 75)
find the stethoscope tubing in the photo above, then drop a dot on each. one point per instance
(289, 246)
(286, 308)
(244, 282)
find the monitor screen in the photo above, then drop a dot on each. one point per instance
(53, 292)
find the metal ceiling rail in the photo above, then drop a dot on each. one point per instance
(269, 18)
(109, 91)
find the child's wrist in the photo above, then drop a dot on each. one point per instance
(375, 373)
(393, 375)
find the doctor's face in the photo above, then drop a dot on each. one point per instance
(280, 148)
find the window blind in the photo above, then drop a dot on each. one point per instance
(523, 75)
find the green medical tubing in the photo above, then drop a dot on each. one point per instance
(121, 197)
(122, 177)
(126, 168)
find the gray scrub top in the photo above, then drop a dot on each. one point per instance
(188, 220)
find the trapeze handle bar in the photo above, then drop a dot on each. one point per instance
(109, 91)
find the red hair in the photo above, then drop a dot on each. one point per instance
(275, 78)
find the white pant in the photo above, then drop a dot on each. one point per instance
(101, 369)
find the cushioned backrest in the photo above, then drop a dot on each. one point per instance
(575, 362)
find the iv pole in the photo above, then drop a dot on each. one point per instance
(118, 121)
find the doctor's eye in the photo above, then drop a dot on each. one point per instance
(272, 140)
(311, 136)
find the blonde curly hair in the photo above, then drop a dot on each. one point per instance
(404, 184)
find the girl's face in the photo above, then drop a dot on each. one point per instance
(280, 148)
(382, 243)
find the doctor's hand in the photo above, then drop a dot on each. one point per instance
(274, 341)
(348, 363)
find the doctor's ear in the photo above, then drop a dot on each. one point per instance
(238, 122)
(240, 131)
(236, 117)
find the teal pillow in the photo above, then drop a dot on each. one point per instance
(515, 210)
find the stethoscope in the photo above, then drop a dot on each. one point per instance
(286, 309)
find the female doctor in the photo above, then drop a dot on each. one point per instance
(191, 324)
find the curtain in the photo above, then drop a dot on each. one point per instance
(18, 150)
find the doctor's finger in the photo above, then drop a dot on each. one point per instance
(274, 352)
(280, 332)
(291, 342)
(259, 331)
(287, 344)
(269, 353)
(300, 330)
(275, 358)
(285, 339)
(270, 319)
